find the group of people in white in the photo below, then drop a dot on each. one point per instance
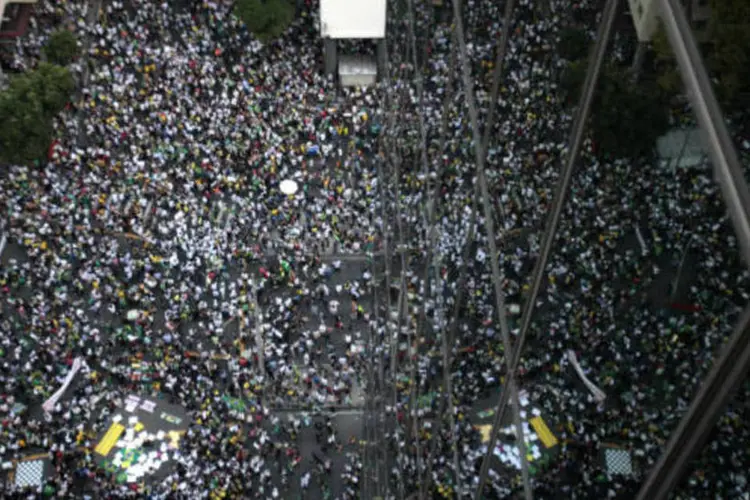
(163, 197)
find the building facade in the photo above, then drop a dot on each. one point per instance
(14, 17)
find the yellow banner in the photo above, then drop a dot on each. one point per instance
(540, 427)
(110, 439)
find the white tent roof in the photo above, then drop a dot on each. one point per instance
(352, 18)
(682, 147)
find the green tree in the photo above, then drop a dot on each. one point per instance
(61, 48)
(725, 46)
(667, 75)
(27, 107)
(728, 49)
(50, 84)
(574, 44)
(626, 118)
(572, 80)
(25, 131)
(266, 19)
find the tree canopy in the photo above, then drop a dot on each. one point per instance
(725, 46)
(574, 44)
(27, 107)
(266, 19)
(728, 38)
(61, 48)
(626, 118)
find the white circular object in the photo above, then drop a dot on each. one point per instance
(288, 186)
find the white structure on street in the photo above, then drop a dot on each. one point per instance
(682, 148)
(357, 71)
(352, 19)
(288, 187)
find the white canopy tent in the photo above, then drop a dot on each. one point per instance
(352, 18)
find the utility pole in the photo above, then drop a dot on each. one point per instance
(575, 141)
(497, 278)
(676, 281)
(732, 365)
(258, 331)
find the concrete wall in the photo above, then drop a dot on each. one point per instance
(382, 52)
(330, 56)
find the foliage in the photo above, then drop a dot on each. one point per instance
(62, 48)
(51, 85)
(728, 56)
(626, 118)
(725, 48)
(574, 44)
(27, 107)
(266, 19)
(668, 76)
(572, 80)
(24, 132)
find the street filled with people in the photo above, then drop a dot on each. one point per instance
(157, 246)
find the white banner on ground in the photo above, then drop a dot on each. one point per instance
(49, 405)
(598, 394)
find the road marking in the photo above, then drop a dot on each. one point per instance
(110, 439)
(540, 426)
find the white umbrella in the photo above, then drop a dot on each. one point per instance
(288, 186)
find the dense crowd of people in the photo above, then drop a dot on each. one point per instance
(157, 232)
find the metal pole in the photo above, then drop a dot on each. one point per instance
(496, 275)
(392, 142)
(497, 71)
(451, 332)
(596, 60)
(729, 371)
(420, 87)
(683, 259)
(727, 167)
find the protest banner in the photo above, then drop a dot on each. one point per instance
(598, 394)
(48, 405)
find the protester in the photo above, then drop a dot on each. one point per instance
(157, 232)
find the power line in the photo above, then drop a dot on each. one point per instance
(489, 223)
(727, 167)
(449, 336)
(731, 368)
(592, 75)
